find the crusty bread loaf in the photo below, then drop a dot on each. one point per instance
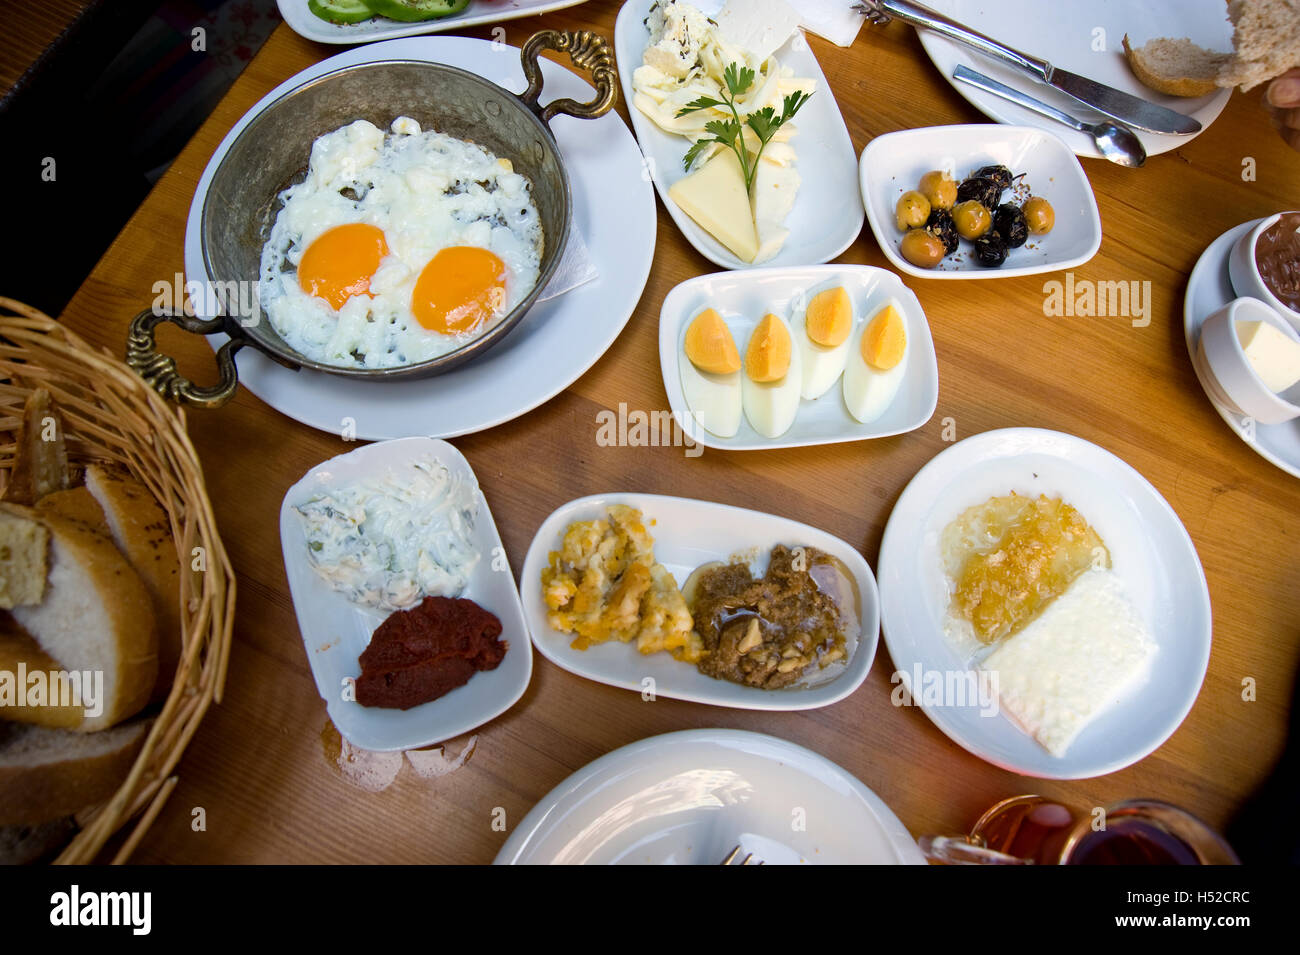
(143, 533)
(49, 773)
(96, 615)
(1175, 67)
(1265, 41)
(21, 656)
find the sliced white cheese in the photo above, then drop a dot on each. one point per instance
(775, 188)
(1076, 659)
(759, 26)
(716, 198)
(1273, 354)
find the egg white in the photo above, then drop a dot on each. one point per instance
(868, 392)
(714, 400)
(822, 366)
(427, 191)
(771, 407)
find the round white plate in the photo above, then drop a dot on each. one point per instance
(743, 297)
(689, 798)
(1150, 551)
(305, 23)
(558, 340)
(335, 631)
(1064, 33)
(894, 163)
(1208, 289)
(822, 223)
(688, 533)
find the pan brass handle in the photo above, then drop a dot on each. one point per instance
(589, 52)
(159, 370)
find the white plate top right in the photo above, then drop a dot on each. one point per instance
(1085, 37)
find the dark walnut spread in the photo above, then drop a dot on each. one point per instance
(771, 631)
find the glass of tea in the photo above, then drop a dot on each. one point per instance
(1034, 830)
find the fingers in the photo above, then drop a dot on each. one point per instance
(1286, 119)
(1284, 92)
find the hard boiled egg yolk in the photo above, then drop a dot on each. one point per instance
(767, 357)
(709, 344)
(461, 288)
(885, 340)
(830, 317)
(341, 262)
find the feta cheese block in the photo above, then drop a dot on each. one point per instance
(1080, 655)
(677, 32)
(759, 26)
(715, 196)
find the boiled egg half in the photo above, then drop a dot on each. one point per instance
(823, 329)
(772, 377)
(710, 370)
(874, 370)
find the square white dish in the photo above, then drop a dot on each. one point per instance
(335, 630)
(742, 298)
(305, 23)
(688, 533)
(894, 163)
(824, 221)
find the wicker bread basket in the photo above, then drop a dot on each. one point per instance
(111, 415)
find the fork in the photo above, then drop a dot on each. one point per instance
(731, 858)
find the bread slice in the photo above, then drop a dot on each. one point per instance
(143, 533)
(50, 773)
(23, 544)
(96, 615)
(77, 504)
(20, 657)
(1266, 37)
(41, 460)
(1175, 67)
(28, 844)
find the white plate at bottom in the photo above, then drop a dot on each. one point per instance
(1150, 551)
(1209, 289)
(688, 798)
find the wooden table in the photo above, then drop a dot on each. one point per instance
(258, 767)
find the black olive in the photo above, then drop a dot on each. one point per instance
(941, 226)
(990, 250)
(999, 174)
(984, 191)
(1009, 222)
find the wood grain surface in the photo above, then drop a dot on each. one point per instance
(258, 768)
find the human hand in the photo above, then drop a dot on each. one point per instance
(1282, 100)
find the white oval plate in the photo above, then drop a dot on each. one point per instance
(1063, 33)
(689, 533)
(824, 221)
(335, 630)
(743, 298)
(305, 23)
(557, 341)
(894, 163)
(1150, 550)
(688, 798)
(1209, 289)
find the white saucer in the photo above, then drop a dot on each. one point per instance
(613, 208)
(1065, 33)
(1208, 289)
(688, 798)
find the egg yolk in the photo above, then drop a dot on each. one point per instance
(461, 288)
(341, 262)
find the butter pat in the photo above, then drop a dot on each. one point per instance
(716, 198)
(1273, 354)
(1081, 654)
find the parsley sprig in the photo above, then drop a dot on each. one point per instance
(730, 132)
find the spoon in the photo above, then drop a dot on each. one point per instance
(1114, 140)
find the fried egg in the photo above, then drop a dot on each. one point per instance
(398, 247)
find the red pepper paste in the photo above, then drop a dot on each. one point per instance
(419, 654)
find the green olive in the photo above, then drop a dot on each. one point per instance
(922, 249)
(913, 209)
(940, 188)
(971, 219)
(1039, 215)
